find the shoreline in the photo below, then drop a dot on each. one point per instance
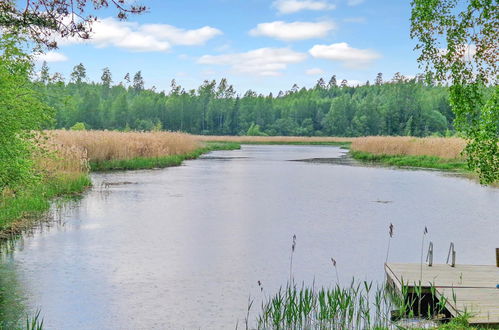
(28, 206)
(410, 161)
(25, 209)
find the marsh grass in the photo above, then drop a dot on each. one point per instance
(443, 148)
(412, 161)
(357, 306)
(21, 210)
(158, 162)
(112, 145)
(35, 322)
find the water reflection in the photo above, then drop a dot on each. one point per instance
(184, 247)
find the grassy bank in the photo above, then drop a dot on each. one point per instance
(446, 148)
(68, 156)
(158, 162)
(411, 161)
(405, 151)
(20, 210)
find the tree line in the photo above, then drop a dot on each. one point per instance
(399, 106)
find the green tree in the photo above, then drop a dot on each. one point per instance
(332, 82)
(44, 73)
(138, 81)
(458, 44)
(107, 77)
(21, 112)
(79, 74)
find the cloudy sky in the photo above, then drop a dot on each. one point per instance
(264, 45)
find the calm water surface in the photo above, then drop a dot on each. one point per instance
(184, 247)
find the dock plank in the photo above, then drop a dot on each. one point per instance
(473, 286)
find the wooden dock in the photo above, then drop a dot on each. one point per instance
(474, 287)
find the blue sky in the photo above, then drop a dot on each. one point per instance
(263, 45)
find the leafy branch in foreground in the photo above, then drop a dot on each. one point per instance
(457, 41)
(42, 19)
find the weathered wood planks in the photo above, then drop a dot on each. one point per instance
(472, 286)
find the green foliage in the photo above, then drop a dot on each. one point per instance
(401, 107)
(411, 161)
(21, 113)
(254, 130)
(34, 200)
(159, 162)
(458, 45)
(78, 127)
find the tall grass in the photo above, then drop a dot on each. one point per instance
(447, 148)
(19, 210)
(62, 170)
(412, 161)
(357, 306)
(158, 162)
(112, 145)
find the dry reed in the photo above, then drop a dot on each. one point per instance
(448, 148)
(273, 139)
(111, 145)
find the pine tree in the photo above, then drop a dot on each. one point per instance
(106, 77)
(321, 84)
(44, 73)
(397, 77)
(379, 79)
(79, 74)
(138, 81)
(332, 82)
(57, 78)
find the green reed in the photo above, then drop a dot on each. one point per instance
(357, 306)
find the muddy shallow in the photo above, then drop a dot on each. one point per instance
(184, 247)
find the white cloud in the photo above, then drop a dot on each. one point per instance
(142, 38)
(50, 57)
(262, 62)
(354, 2)
(342, 52)
(293, 6)
(178, 36)
(314, 72)
(293, 31)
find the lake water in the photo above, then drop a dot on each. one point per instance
(184, 247)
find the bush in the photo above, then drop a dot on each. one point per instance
(21, 113)
(78, 127)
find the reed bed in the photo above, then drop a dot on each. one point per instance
(275, 139)
(111, 145)
(55, 159)
(446, 148)
(358, 306)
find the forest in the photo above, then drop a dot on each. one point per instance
(397, 106)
